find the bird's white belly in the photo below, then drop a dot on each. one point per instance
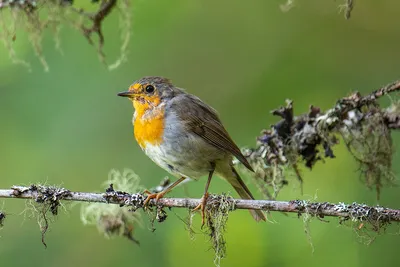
(179, 160)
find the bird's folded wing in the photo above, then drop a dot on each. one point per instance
(203, 120)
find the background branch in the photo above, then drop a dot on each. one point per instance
(308, 138)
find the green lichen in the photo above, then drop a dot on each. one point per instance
(369, 141)
(217, 211)
(112, 220)
(306, 221)
(33, 18)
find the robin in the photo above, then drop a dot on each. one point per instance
(184, 136)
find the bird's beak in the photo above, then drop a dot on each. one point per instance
(127, 94)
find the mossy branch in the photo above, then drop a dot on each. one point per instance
(135, 201)
(307, 139)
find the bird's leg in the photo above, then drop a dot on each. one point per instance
(157, 196)
(203, 200)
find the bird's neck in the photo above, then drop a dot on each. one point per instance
(146, 105)
(147, 110)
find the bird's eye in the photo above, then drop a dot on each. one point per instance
(149, 89)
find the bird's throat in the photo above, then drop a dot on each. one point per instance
(148, 123)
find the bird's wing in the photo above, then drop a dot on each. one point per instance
(202, 120)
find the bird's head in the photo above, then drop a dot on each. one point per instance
(149, 92)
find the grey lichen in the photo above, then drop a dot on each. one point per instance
(289, 142)
(46, 201)
(156, 214)
(368, 222)
(391, 115)
(377, 217)
(307, 139)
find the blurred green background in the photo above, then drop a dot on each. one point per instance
(67, 127)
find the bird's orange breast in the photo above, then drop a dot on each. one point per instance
(148, 129)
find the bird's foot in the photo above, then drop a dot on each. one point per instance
(151, 195)
(202, 207)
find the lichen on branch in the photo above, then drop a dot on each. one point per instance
(112, 220)
(364, 126)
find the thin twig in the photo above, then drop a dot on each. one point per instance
(97, 19)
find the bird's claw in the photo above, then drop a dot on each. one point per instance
(151, 196)
(202, 207)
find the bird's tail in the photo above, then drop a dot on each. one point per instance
(244, 193)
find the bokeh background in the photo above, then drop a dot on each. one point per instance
(67, 126)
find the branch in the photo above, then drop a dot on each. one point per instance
(354, 211)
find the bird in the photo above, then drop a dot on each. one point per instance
(184, 136)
